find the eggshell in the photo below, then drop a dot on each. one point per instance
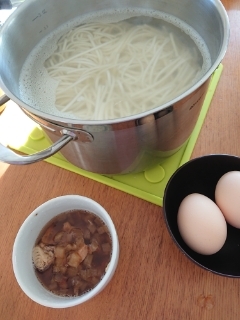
(201, 224)
(227, 197)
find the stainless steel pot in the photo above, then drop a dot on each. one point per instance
(116, 146)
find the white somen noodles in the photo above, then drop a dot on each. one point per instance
(109, 71)
(112, 70)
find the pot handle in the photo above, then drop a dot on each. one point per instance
(3, 99)
(8, 156)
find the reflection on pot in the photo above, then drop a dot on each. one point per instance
(129, 143)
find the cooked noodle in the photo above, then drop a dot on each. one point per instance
(113, 70)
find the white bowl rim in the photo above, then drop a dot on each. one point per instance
(65, 302)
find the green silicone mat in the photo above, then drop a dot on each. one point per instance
(148, 185)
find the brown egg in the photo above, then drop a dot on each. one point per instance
(201, 224)
(227, 197)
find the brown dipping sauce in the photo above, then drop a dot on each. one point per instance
(72, 253)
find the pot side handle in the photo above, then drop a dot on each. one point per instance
(10, 157)
(3, 99)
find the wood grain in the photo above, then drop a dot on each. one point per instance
(154, 280)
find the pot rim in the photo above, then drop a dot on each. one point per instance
(61, 120)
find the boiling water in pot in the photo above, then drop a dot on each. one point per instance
(113, 64)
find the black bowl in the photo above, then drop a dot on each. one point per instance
(201, 175)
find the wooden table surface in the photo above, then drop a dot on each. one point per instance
(154, 280)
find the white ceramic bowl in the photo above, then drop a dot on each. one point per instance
(26, 238)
